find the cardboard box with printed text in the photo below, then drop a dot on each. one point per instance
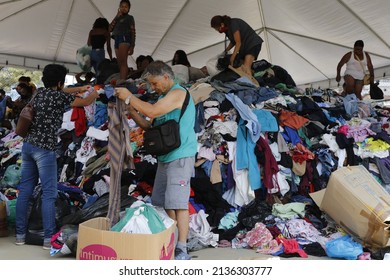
(97, 242)
(359, 204)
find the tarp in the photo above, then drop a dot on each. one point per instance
(306, 37)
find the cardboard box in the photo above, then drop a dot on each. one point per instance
(359, 204)
(97, 242)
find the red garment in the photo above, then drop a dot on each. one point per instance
(291, 119)
(291, 246)
(191, 209)
(80, 120)
(270, 165)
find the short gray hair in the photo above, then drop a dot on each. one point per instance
(158, 68)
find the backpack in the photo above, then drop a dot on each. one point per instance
(375, 91)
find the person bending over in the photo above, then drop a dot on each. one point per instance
(171, 188)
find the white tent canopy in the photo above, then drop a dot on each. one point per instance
(306, 37)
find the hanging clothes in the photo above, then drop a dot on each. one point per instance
(120, 153)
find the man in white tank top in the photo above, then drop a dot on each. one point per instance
(356, 62)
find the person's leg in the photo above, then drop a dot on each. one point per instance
(358, 88)
(47, 167)
(94, 60)
(247, 66)
(183, 219)
(122, 55)
(349, 84)
(160, 185)
(29, 179)
(177, 195)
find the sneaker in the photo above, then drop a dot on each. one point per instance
(46, 245)
(20, 241)
(180, 255)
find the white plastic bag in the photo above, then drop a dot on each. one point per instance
(211, 65)
(83, 58)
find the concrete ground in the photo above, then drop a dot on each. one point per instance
(10, 251)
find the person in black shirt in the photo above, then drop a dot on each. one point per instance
(97, 38)
(246, 42)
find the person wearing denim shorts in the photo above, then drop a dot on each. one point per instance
(123, 32)
(171, 188)
(97, 38)
(39, 161)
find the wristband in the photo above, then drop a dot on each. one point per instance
(127, 101)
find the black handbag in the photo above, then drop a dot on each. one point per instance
(164, 138)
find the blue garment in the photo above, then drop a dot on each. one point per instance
(246, 113)
(206, 166)
(101, 115)
(245, 156)
(97, 56)
(290, 135)
(37, 163)
(351, 104)
(3, 108)
(267, 121)
(199, 120)
(249, 94)
(326, 160)
(189, 143)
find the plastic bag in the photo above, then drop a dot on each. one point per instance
(11, 176)
(343, 248)
(142, 219)
(83, 58)
(211, 65)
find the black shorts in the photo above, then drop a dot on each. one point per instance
(253, 51)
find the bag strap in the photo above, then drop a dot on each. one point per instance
(185, 103)
(361, 63)
(32, 98)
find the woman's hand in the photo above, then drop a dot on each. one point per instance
(119, 13)
(122, 93)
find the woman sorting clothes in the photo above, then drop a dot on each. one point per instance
(39, 158)
(246, 42)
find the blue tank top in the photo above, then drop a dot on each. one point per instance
(188, 147)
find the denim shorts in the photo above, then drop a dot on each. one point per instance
(120, 39)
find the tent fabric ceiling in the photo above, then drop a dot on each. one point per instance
(306, 37)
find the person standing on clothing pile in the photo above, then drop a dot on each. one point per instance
(356, 62)
(123, 32)
(97, 38)
(171, 188)
(39, 160)
(246, 42)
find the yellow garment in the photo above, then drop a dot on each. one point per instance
(376, 145)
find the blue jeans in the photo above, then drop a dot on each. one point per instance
(97, 56)
(120, 39)
(37, 163)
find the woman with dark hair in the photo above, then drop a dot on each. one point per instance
(97, 38)
(26, 80)
(246, 42)
(357, 61)
(123, 32)
(180, 57)
(26, 92)
(39, 158)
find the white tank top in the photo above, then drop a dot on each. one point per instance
(355, 68)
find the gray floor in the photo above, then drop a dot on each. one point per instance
(10, 251)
